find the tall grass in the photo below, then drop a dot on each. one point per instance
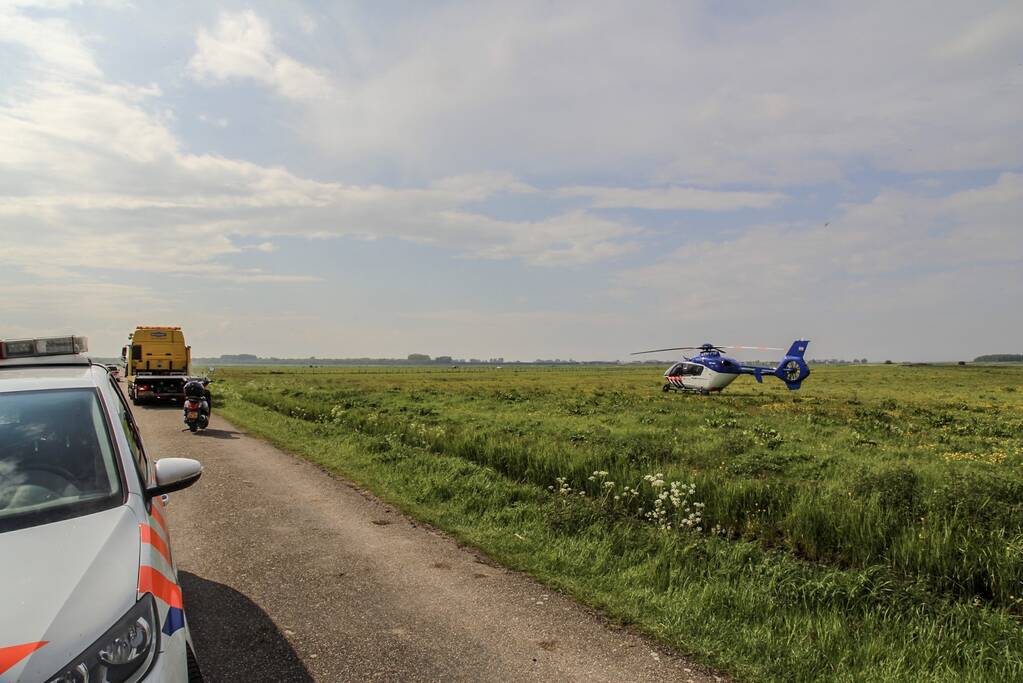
(898, 489)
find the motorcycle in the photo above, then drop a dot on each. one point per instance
(198, 404)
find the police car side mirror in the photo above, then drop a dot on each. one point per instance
(174, 474)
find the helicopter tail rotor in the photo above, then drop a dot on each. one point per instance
(792, 369)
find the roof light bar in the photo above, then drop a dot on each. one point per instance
(43, 346)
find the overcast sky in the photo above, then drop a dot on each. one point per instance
(518, 179)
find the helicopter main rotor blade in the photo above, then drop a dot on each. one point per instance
(753, 348)
(674, 348)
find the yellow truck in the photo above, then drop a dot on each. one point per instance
(157, 364)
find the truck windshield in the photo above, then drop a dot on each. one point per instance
(56, 458)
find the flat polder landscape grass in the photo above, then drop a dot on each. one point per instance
(866, 527)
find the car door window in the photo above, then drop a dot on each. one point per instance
(131, 432)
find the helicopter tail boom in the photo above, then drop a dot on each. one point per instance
(791, 369)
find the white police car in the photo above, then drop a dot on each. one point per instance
(89, 590)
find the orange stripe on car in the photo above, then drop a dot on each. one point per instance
(157, 515)
(152, 581)
(11, 655)
(150, 536)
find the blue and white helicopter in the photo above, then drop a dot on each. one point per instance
(710, 371)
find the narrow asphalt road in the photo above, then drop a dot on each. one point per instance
(291, 574)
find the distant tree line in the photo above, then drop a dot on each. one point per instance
(426, 359)
(1000, 358)
(836, 361)
(411, 359)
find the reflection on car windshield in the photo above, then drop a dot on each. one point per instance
(56, 459)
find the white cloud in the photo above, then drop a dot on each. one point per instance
(663, 92)
(55, 47)
(86, 163)
(669, 99)
(673, 198)
(901, 270)
(65, 304)
(218, 121)
(570, 238)
(994, 31)
(242, 47)
(306, 23)
(1006, 193)
(895, 237)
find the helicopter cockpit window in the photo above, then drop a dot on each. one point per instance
(675, 370)
(693, 369)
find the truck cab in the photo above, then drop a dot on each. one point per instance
(157, 364)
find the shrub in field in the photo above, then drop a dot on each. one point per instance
(736, 443)
(762, 465)
(767, 437)
(988, 499)
(896, 487)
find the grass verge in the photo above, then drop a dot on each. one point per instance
(736, 605)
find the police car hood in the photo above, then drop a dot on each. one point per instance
(64, 584)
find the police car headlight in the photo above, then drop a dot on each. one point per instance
(124, 653)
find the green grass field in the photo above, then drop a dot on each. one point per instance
(866, 527)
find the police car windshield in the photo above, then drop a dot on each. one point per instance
(56, 458)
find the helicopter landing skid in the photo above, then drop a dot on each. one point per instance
(684, 389)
